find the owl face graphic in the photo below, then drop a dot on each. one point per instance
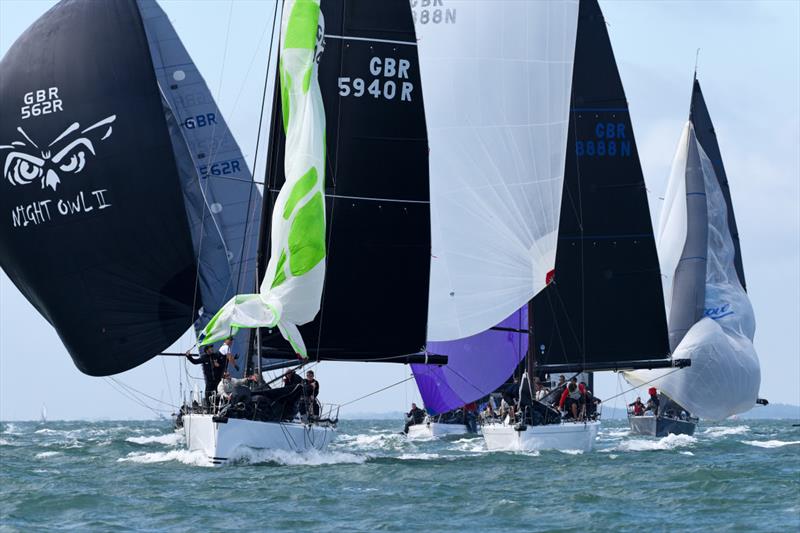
(67, 154)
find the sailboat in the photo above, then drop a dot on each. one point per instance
(602, 306)
(43, 415)
(497, 149)
(346, 214)
(711, 320)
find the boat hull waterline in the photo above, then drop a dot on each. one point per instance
(433, 430)
(660, 426)
(578, 436)
(219, 441)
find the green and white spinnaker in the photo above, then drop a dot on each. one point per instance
(291, 290)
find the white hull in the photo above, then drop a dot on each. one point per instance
(432, 430)
(564, 436)
(219, 441)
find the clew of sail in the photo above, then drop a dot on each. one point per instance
(291, 290)
(711, 319)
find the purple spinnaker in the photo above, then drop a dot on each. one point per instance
(476, 365)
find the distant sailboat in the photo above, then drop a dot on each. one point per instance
(43, 415)
(711, 320)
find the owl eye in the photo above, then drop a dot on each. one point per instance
(22, 169)
(75, 163)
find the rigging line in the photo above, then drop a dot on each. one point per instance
(642, 385)
(258, 140)
(136, 391)
(136, 400)
(377, 391)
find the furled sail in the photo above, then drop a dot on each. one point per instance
(496, 75)
(222, 204)
(476, 365)
(604, 308)
(291, 290)
(711, 320)
(376, 188)
(93, 230)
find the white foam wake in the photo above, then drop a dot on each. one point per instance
(170, 439)
(670, 442)
(721, 431)
(290, 458)
(770, 443)
(418, 456)
(195, 458)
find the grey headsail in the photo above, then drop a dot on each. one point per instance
(604, 308)
(93, 228)
(222, 203)
(689, 283)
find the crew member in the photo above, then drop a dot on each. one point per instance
(230, 357)
(569, 401)
(652, 402)
(311, 387)
(213, 369)
(414, 416)
(638, 407)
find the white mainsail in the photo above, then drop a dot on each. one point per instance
(724, 377)
(291, 290)
(496, 76)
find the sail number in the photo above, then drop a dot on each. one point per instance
(609, 141)
(380, 87)
(41, 102)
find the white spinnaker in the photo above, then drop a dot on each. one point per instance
(497, 76)
(725, 374)
(291, 291)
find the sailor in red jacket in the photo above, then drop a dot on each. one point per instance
(570, 398)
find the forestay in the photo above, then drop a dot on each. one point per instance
(497, 78)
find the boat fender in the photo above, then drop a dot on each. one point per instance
(520, 427)
(219, 419)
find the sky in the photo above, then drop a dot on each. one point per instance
(749, 67)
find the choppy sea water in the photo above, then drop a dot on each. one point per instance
(136, 476)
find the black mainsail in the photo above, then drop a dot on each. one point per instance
(374, 304)
(604, 308)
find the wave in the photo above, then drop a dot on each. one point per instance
(195, 458)
(45, 455)
(419, 456)
(4, 442)
(770, 443)
(170, 439)
(469, 445)
(379, 441)
(572, 452)
(670, 442)
(290, 458)
(722, 431)
(617, 433)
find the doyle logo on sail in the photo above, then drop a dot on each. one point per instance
(28, 161)
(718, 312)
